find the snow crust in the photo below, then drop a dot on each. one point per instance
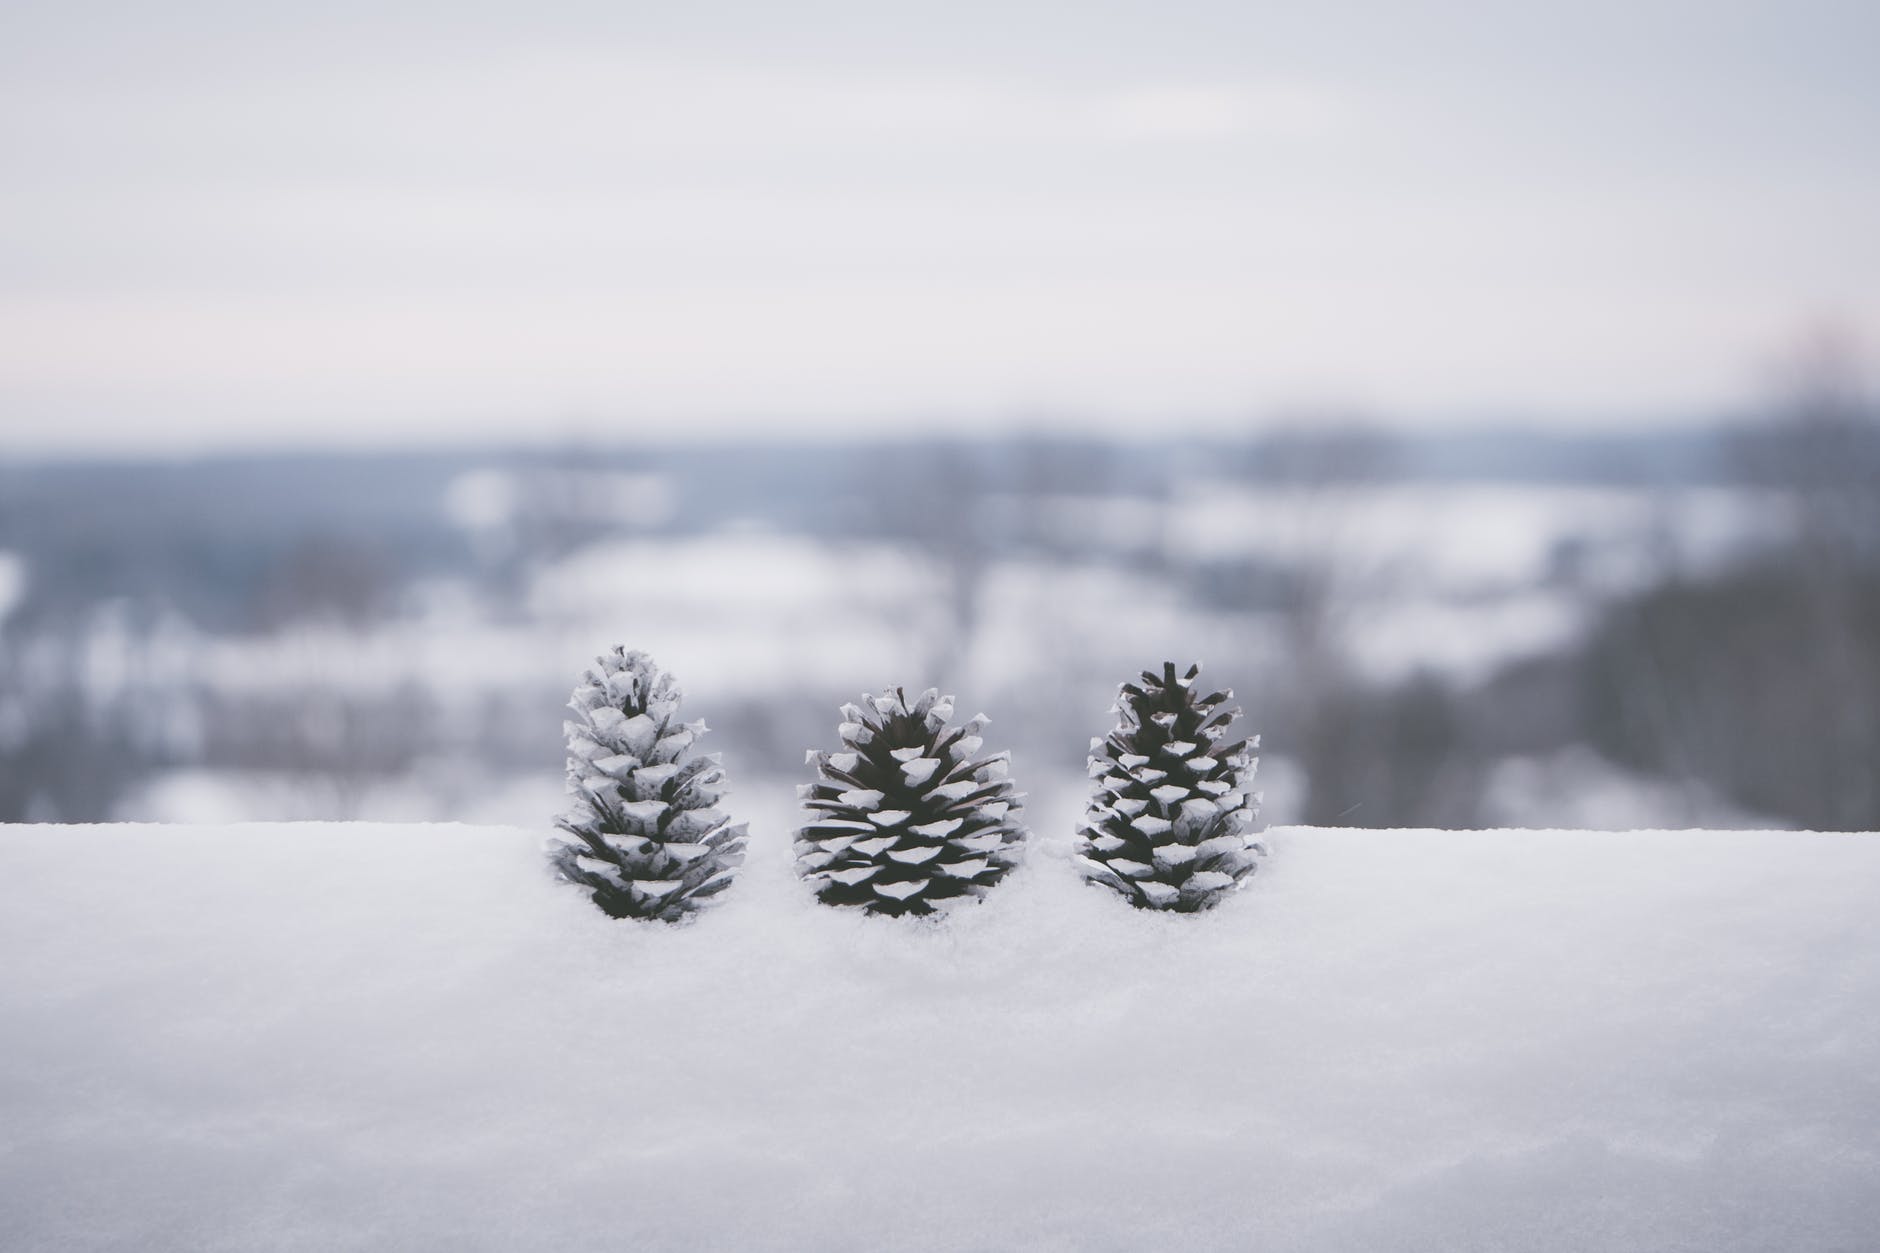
(351, 1037)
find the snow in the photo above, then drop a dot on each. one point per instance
(1465, 640)
(1469, 538)
(744, 607)
(493, 501)
(351, 1037)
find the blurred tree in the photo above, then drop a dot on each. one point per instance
(1764, 681)
(930, 496)
(1373, 754)
(327, 578)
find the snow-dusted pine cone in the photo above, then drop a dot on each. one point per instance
(643, 833)
(905, 816)
(1170, 824)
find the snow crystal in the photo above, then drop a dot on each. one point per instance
(919, 771)
(1220, 844)
(843, 824)
(607, 720)
(670, 746)
(596, 866)
(636, 734)
(915, 856)
(902, 891)
(982, 842)
(1194, 817)
(1158, 893)
(655, 776)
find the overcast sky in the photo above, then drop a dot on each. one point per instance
(368, 222)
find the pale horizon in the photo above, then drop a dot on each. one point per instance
(368, 227)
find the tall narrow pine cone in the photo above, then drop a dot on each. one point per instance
(1169, 825)
(905, 816)
(644, 835)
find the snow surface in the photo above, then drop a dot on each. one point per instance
(336, 1037)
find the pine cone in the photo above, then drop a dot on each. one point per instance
(646, 839)
(1169, 824)
(906, 817)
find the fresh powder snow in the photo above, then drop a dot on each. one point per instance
(349, 1037)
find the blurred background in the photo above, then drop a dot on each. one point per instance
(1487, 397)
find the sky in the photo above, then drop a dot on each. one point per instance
(253, 225)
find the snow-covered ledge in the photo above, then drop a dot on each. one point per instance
(331, 1037)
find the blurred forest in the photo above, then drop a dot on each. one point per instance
(1452, 630)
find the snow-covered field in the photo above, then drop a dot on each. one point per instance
(337, 1037)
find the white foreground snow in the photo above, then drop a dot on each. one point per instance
(348, 1037)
